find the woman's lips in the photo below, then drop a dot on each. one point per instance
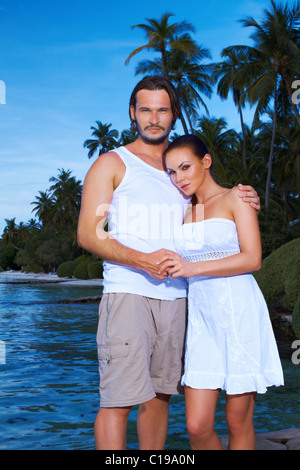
(184, 187)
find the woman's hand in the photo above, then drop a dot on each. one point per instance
(176, 266)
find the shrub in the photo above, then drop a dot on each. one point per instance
(82, 258)
(81, 271)
(296, 318)
(32, 268)
(66, 269)
(279, 277)
(95, 270)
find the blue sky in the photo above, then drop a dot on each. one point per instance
(63, 65)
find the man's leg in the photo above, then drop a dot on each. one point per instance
(165, 371)
(152, 423)
(124, 347)
(111, 428)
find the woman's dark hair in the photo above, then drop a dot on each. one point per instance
(156, 82)
(190, 141)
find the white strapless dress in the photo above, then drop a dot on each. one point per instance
(230, 344)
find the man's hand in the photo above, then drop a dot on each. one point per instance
(149, 262)
(248, 194)
(176, 266)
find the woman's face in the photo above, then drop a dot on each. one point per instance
(186, 170)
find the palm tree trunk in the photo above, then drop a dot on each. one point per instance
(186, 131)
(268, 183)
(244, 136)
(188, 118)
(164, 62)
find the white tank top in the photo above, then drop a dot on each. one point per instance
(145, 213)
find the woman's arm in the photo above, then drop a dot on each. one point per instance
(248, 260)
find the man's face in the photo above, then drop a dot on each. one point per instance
(153, 115)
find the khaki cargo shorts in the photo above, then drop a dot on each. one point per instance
(140, 344)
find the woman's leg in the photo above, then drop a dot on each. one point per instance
(239, 415)
(200, 417)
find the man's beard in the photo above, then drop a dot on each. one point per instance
(154, 140)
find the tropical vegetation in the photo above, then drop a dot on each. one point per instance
(279, 280)
(264, 153)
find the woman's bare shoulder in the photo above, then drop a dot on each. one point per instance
(233, 195)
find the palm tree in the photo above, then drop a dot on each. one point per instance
(127, 136)
(66, 192)
(32, 225)
(44, 208)
(219, 142)
(278, 37)
(190, 77)
(286, 174)
(105, 139)
(163, 36)
(226, 73)
(271, 63)
(10, 232)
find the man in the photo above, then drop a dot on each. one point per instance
(142, 313)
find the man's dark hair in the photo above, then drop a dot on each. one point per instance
(156, 82)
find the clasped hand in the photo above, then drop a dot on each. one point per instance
(175, 266)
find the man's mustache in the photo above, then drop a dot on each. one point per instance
(154, 127)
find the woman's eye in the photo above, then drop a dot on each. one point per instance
(186, 167)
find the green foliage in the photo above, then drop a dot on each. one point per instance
(95, 270)
(279, 277)
(66, 269)
(46, 249)
(81, 270)
(7, 256)
(32, 268)
(296, 317)
(274, 230)
(86, 257)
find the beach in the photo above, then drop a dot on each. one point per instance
(18, 277)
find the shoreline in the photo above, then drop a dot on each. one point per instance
(281, 319)
(18, 277)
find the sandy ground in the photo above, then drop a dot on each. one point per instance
(17, 276)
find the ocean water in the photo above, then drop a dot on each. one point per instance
(49, 375)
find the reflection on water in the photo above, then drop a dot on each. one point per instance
(49, 384)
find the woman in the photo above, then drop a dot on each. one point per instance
(230, 343)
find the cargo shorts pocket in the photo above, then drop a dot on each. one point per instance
(107, 352)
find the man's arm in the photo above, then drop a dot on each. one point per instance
(99, 185)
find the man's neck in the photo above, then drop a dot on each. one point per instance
(151, 154)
